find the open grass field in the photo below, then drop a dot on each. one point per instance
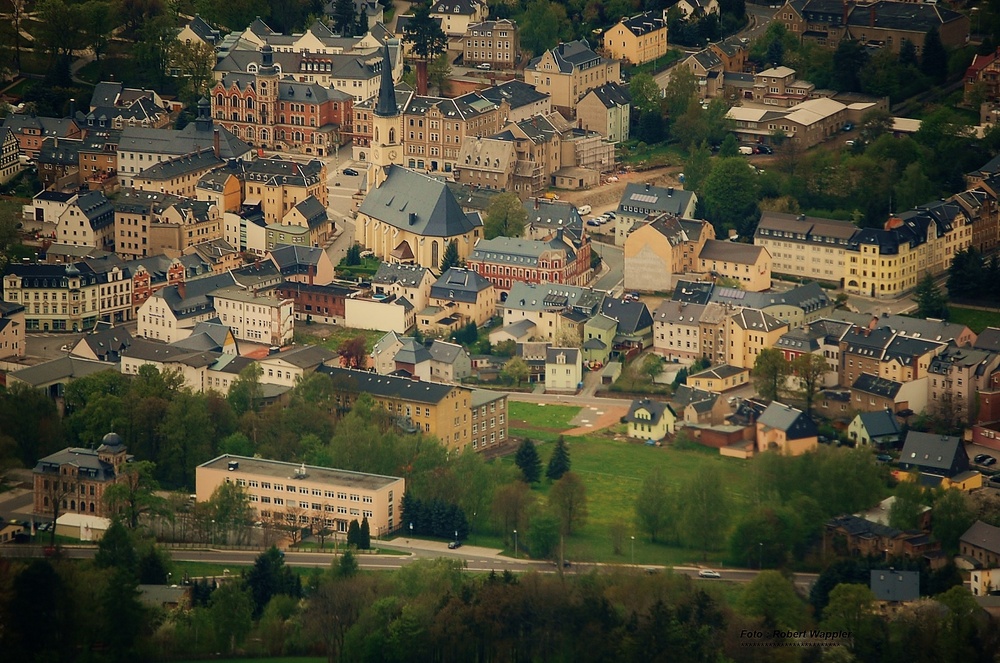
(331, 337)
(974, 319)
(539, 421)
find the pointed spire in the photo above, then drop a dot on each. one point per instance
(386, 106)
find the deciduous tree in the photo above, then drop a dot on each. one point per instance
(810, 371)
(770, 370)
(654, 505)
(505, 216)
(134, 494)
(568, 497)
(231, 610)
(516, 370)
(771, 597)
(704, 511)
(428, 41)
(353, 352)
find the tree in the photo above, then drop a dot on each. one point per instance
(568, 498)
(343, 17)
(568, 337)
(115, 549)
(653, 507)
(38, 624)
(353, 256)
(652, 366)
(543, 534)
(450, 258)
(353, 351)
(528, 461)
(511, 503)
(269, 577)
(541, 24)
(848, 61)
(698, 166)
(934, 58)
(18, 12)
(124, 614)
(851, 609)
(98, 24)
(516, 370)
(231, 611)
(680, 90)
(134, 494)
(428, 41)
(704, 511)
(438, 73)
(730, 147)
(771, 597)
(645, 92)
(905, 511)
(809, 370)
(930, 302)
(245, 392)
(195, 62)
(229, 507)
(335, 607)
(952, 516)
(914, 188)
(364, 535)
(770, 370)
(353, 535)
(559, 462)
(730, 194)
(505, 216)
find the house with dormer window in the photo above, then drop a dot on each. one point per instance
(650, 420)
(563, 370)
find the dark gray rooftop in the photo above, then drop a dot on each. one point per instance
(419, 204)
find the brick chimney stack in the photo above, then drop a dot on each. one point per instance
(216, 144)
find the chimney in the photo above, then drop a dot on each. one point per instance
(537, 204)
(182, 289)
(670, 192)
(871, 16)
(215, 144)
(295, 168)
(311, 274)
(72, 109)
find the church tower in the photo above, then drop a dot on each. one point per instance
(267, 97)
(387, 147)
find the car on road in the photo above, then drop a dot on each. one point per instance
(351, 172)
(764, 149)
(988, 461)
(453, 545)
(708, 573)
(849, 126)
(978, 458)
(593, 222)
(486, 66)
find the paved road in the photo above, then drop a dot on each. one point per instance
(562, 399)
(614, 258)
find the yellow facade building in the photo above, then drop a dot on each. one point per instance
(638, 39)
(569, 71)
(749, 332)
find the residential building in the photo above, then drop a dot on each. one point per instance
(884, 23)
(882, 352)
(303, 264)
(325, 304)
(505, 260)
(956, 376)
(74, 480)
(979, 204)
(488, 407)
(383, 355)
(254, 316)
(289, 367)
(677, 330)
(307, 495)
(656, 253)
(459, 297)
(697, 8)
(936, 461)
(650, 420)
(787, 430)
(197, 30)
(12, 328)
(178, 176)
(749, 332)
(870, 393)
(879, 429)
(58, 163)
(568, 71)
(854, 536)
(457, 16)
(720, 379)
(30, 130)
(538, 146)
(217, 253)
(981, 542)
(88, 220)
(221, 187)
(487, 163)
(411, 218)
(103, 344)
(114, 106)
(804, 246)
(71, 297)
(201, 370)
(638, 39)
(563, 370)
(699, 407)
(779, 86)
(280, 184)
(51, 377)
(450, 362)
(805, 124)
(749, 266)
(606, 110)
(140, 147)
(10, 164)
(522, 98)
(496, 43)
(635, 325)
(598, 338)
(436, 409)
(641, 201)
(892, 588)
(550, 307)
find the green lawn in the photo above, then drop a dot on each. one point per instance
(331, 337)
(974, 319)
(658, 154)
(539, 422)
(203, 570)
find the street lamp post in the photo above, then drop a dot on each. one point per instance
(633, 551)
(213, 531)
(456, 535)
(515, 544)
(760, 558)
(411, 530)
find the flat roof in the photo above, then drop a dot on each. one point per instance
(281, 470)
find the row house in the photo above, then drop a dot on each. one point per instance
(538, 148)
(201, 370)
(434, 128)
(677, 330)
(748, 333)
(659, 252)
(184, 224)
(271, 111)
(277, 185)
(494, 43)
(607, 111)
(886, 23)
(457, 16)
(870, 393)
(135, 212)
(156, 272)
(487, 163)
(550, 307)
(88, 220)
(12, 330)
(505, 260)
(66, 163)
(637, 39)
(178, 176)
(31, 130)
(457, 298)
(255, 316)
(881, 352)
(325, 304)
(955, 378)
(72, 297)
(979, 205)
(221, 187)
(568, 71)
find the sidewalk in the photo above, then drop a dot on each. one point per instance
(437, 547)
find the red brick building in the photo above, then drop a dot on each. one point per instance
(504, 260)
(271, 112)
(75, 479)
(317, 303)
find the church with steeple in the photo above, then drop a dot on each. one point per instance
(387, 127)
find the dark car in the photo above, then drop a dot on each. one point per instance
(883, 458)
(764, 149)
(978, 458)
(351, 172)
(454, 544)
(849, 126)
(989, 460)
(593, 222)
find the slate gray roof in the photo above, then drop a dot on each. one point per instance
(799, 340)
(555, 215)
(446, 353)
(678, 313)
(305, 356)
(644, 23)
(880, 423)
(62, 369)
(419, 204)
(549, 296)
(570, 55)
(895, 586)
(46, 126)
(983, 535)
(911, 17)
(552, 354)
(519, 328)
(108, 343)
(929, 329)
(177, 166)
(754, 320)
(516, 251)
(988, 339)
(356, 381)
(187, 140)
(964, 358)
(460, 285)
(640, 199)
(735, 252)
(455, 7)
(208, 335)
(65, 152)
(693, 292)
(410, 275)
(934, 454)
(655, 408)
(795, 423)
(313, 212)
(87, 462)
(296, 259)
(632, 316)
(515, 92)
(412, 352)
(612, 95)
(205, 31)
(878, 386)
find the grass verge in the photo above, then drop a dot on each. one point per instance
(975, 319)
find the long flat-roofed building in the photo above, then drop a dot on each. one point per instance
(307, 495)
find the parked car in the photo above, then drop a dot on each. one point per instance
(746, 149)
(849, 126)
(851, 143)
(584, 209)
(593, 222)
(454, 545)
(484, 66)
(988, 461)
(764, 149)
(610, 215)
(978, 458)
(708, 573)
(883, 458)
(351, 172)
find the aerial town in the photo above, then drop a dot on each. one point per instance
(468, 330)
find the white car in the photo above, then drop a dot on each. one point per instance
(708, 573)
(486, 66)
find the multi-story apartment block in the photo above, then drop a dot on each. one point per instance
(638, 39)
(550, 307)
(221, 187)
(30, 130)
(737, 262)
(10, 165)
(524, 100)
(272, 112)
(139, 148)
(506, 260)
(493, 43)
(569, 71)
(71, 297)
(489, 419)
(884, 353)
(749, 332)
(114, 106)
(677, 330)
(441, 410)
(538, 147)
(307, 495)
(88, 220)
(659, 252)
(640, 202)
(74, 480)
(12, 330)
(277, 185)
(606, 110)
(778, 86)
(979, 204)
(487, 163)
(135, 212)
(804, 246)
(183, 224)
(955, 377)
(178, 176)
(459, 297)
(255, 316)
(434, 128)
